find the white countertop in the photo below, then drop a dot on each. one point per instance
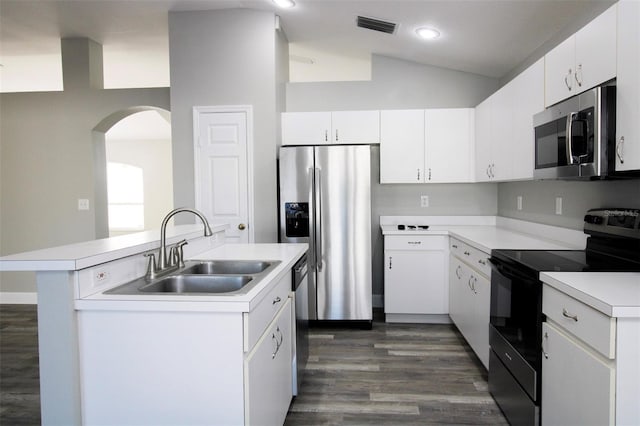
(78, 256)
(486, 238)
(616, 294)
(287, 254)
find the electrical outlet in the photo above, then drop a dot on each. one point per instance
(519, 202)
(424, 201)
(83, 204)
(558, 205)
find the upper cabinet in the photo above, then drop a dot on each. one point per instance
(337, 127)
(426, 146)
(628, 87)
(504, 128)
(583, 61)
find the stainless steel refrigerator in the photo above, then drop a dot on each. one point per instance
(325, 200)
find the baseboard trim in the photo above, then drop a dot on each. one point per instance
(18, 298)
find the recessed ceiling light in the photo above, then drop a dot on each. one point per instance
(428, 33)
(285, 4)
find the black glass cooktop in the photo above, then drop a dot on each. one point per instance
(564, 261)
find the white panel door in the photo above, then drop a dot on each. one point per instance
(483, 140)
(222, 183)
(558, 72)
(306, 128)
(355, 127)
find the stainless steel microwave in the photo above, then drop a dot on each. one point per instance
(572, 138)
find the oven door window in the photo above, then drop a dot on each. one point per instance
(550, 147)
(516, 311)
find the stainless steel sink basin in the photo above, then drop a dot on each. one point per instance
(203, 277)
(236, 267)
(197, 284)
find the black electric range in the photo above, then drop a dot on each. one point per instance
(515, 330)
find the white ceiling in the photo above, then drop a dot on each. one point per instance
(487, 37)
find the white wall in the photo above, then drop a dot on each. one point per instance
(226, 57)
(47, 163)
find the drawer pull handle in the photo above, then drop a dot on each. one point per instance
(454, 246)
(414, 242)
(467, 253)
(276, 300)
(508, 357)
(482, 262)
(568, 315)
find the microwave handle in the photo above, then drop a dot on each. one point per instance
(569, 140)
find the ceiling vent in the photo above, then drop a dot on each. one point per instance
(376, 25)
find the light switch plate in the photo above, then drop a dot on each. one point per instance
(519, 202)
(424, 201)
(558, 205)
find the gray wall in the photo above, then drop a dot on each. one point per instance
(398, 84)
(47, 160)
(539, 198)
(227, 57)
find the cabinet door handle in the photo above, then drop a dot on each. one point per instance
(466, 253)
(390, 262)
(488, 174)
(274, 339)
(336, 135)
(418, 175)
(578, 72)
(429, 173)
(454, 246)
(276, 300)
(326, 135)
(458, 272)
(469, 282)
(566, 314)
(493, 173)
(482, 262)
(544, 353)
(567, 79)
(620, 150)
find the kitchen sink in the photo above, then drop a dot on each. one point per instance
(202, 277)
(197, 284)
(211, 267)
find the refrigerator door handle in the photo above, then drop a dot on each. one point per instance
(318, 219)
(312, 219)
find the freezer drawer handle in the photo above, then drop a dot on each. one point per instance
(566, 314)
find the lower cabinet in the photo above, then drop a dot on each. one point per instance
(268, 390)
(578, 387)
(470, 297)
(174, 366)
(415, 278)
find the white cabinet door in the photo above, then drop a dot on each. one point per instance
(583, 61)
(268, 389)
(449, 135)
(596, 51)
(501, 133)
(402, 146)
(628, 87)
(578, 388)
(483, 140)
(528, 95)
(459, 300)
(479, 327)
(355, 127)
(306, 128)
(558, 73)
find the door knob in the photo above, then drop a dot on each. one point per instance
(242, 226)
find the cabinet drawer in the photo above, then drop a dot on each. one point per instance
(471, 255)
(415, 242)
(592, 327)
(257, 320)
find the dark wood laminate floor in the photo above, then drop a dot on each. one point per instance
(19, 375)
(394, 374)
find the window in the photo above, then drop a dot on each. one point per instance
(126, 197)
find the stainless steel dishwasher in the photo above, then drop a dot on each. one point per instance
(300, 350)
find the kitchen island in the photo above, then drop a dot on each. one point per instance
(72, 306)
